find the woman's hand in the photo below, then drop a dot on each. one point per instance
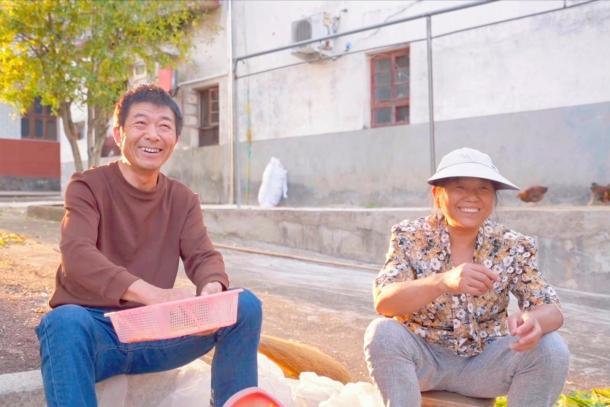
(526, 327)
(468, 278)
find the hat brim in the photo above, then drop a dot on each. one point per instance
(472, 170)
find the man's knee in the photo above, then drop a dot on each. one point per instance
(66, 319)
(250, 309)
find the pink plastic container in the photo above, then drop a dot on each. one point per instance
(176, 318)
(252, 397)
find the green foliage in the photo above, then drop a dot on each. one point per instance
(82, 51)
(593, 398)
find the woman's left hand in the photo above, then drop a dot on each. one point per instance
(526, 328)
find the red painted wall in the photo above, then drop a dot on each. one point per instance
(29, 158)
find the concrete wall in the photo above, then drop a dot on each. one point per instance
(574, 243)
(10, 122)
(204, 169)
(565, 149)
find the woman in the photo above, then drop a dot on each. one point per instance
(446, 284)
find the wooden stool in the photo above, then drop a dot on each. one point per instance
(448, 399)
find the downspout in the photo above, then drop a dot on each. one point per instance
(430, 97)
(231, 96)
(235, 179)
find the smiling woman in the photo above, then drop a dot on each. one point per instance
(446, 284)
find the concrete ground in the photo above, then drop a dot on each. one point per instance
(330, 307)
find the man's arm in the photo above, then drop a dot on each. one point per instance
(144, 293)
(84, 267)
(202, 263)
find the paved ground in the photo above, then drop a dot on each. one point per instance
(330, 307)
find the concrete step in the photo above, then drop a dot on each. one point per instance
(23, 389)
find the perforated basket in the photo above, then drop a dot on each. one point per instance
(176, 318)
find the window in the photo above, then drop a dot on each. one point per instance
(39, 123)
(208, 116)
(80, 129)
(390, 88)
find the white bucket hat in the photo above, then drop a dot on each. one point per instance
(468, 162)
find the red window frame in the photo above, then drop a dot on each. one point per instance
(209, 116)
(394, 102)
(39, 123)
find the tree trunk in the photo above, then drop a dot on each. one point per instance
(90, 137)
(97, 128)
(71, 134)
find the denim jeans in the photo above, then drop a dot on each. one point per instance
(79, 347)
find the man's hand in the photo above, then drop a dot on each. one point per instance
(526, 327)
(468, 278)
(210, 288)
(147, 294)
(174, 294)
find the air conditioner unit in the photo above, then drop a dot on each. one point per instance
(315, 26)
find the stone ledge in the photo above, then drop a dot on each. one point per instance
(21, 389)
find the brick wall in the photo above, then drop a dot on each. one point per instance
(29, 165)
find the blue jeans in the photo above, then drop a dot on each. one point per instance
(79, 347)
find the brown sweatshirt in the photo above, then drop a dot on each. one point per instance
(113, 234)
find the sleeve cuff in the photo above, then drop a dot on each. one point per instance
(118, 285)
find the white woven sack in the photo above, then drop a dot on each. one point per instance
(274, 185)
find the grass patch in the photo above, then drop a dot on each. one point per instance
(579, 398)
(8, 238)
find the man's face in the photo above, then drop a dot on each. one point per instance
(148, 137)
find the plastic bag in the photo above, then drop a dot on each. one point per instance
(274, 185)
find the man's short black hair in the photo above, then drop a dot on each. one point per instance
(146, 93)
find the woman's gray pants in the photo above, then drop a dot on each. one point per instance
(402, 364)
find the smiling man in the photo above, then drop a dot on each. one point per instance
(126, 225)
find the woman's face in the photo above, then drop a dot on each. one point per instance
(465, 202)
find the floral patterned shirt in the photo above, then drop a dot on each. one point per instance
(465, 323)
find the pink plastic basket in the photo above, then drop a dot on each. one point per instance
(176, 318)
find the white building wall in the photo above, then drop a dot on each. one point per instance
(547, 61)
(10, 122)
(553, 60)
(208, 64)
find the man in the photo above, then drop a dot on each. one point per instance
(124, 229)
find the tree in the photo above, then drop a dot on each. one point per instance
(82, 52)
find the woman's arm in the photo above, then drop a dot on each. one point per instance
(406, 297)
(530, 326)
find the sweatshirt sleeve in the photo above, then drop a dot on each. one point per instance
(84, 267)
(202, 263)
